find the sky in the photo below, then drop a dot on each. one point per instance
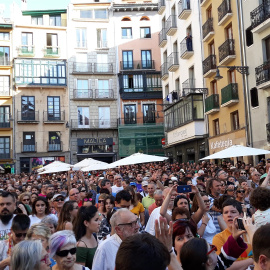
(34, 5)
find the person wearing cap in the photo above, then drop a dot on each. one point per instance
(134, 186)
(58, 202)
(149, 199)
(144, 193)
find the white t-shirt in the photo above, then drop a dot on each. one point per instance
(210, 230)
(34, 219)
(116, 189)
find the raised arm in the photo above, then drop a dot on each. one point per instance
(197, 216)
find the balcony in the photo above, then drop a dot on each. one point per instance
(85, 68)
(55, 147)
(5, 155)
(26, 50)
(161, 6)
(5, 125)
(5, 93)
(54, 117)
(226, 52)
(137, 65)
(204, 2)
(164, 71)
(82, 94)
(92, 124)
(260, 17)
(103, 68)
(209, 66)
(28, 117)
(4, 61)
(262, 73)
(172, 98)
(141, 93)
(224, 12)
(183, 9)
(171, 25)
(142, 121)
(104, 94)
(208, 30)
(229, 95)
(29, 148)
(162, 37)
(188, 87)
(212, 104)
(51, 51)
(173, 61)
(186, 48)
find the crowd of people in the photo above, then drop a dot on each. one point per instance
(146, 216)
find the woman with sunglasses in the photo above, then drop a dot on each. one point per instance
(101, 203)
(86, 226)
(25, 199)
(206, 226)
(63, 250)
(67, 216)
(88, 199)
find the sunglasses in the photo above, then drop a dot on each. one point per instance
(59, 200)
(83, 190)
(88, 199)
(19, 235)
(240, 191)
(100, 201)
(24, 200)
(242, 173)
(230, 189)
(65, 252)
(212, 248)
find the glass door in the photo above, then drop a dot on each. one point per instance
(104, 117)
(127, 59)
(83, 117)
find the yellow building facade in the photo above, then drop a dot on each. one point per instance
(225, 102)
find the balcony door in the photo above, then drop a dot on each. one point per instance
(149, 113)
(130, 114)
(54, 141)
(104, 117)
(52, 44)
(83, 117)
(127, 57)
(29, 142)
(4, 116)
(146, 59)
(28, 108)
(27, 43)
(82, 89)
(103, 89)
(54, 113)
(102, 62)
(81, 62)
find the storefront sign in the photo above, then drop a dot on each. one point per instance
(95, 141)
(221, 144)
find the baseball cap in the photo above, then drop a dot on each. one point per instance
(133, 184)
(174, 178)
(56, 196)
(144, 183)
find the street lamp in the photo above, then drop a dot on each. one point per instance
(240, 69)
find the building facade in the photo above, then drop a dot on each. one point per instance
(182, 80)
(92, 82)
(41, 98)
(141, 118)
(6, 97)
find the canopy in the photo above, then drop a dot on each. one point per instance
(135, 159)
(56, 166)
(88, 162)
(1, 168)
(237, 151)
(95, 167)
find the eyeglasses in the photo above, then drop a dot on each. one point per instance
(131, 224)
(223, 185)
(213, 248)
(19, 235)
(240, 191)
(230, 189)
(243, 173)
(65, 252)
(59, 199)
(88, 199)
(24, 200)
(206, 201)
(100, 201)
(74, 194)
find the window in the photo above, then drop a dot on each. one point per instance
(127, 57)
(145, 32)
(4, 36)
(101, 14)
(54, 141)
(254, 97)
(235, 120)
(232, 76)
(54, 113)
(94, 14)
(146, 59)
(52, 44)
(4, 86)
(130, 114)
(37, 20)
(55, 20)
(144, 18)
(28, 108)
(216, 127)
(82, 89)
(126, 33)
(27, 43)
(83, 117)
(126, 19)
(249, 36)
(4, 116)
(103, 89)
(4, 55)
(81, 37)
(153, 82)
(29, 143)
(4, 147)
(267, 48)
(86, 14)
(104, 117)
(213, 86)
(133, 83)
(102, 63)
(149, 113)
(102, 38)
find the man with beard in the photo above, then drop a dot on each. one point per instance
(7, 208)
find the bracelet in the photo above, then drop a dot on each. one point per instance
(204, 224)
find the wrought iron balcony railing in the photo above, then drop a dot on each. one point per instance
(26, 50)
(226, 49)
(139, 64)
(83, 94)
(171, 24)
(52, 51)
(207, 27)
(161, 6)
(186, 46)
(82, 67)
(28, 116)
(162, 37)
(260, 14)
(224, 9)
(182, 6)
(28, 147)
(94, 124)
(54, 116)
(103, 68)
(229, 93)
(104, 94)
(262, 73)
(55, 147)
(209, 63)
(173, 60)
(164, 69)
(212, 103)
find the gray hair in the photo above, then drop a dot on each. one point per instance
(26, 255)
(61, 239)
(118, 175)
(39, 229)
(49, 220)
(158, 192)
(116, 217)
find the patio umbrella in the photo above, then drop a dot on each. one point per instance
(136, 159)
(88, 162)
(237, 151)
(1, 168)
(95, 167)
(53, 164)
(56, 167)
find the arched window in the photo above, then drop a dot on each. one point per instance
(126, 19)
(144, 18)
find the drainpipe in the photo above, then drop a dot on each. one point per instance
(244, 76)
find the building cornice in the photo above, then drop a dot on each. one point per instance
(43, 12)
(135, 7)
